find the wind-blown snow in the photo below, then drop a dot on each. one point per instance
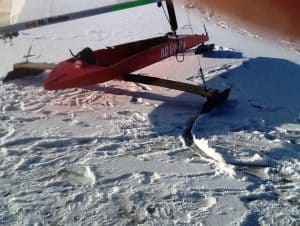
(116, 154)
(202, 144)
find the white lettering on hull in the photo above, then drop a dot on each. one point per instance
(172, 49)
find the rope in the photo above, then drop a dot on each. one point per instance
(178, 54)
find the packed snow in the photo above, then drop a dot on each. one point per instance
(126, 154)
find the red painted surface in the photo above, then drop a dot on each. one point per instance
(114, 62)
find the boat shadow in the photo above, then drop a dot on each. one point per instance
(262, 90)
(263, 106)
(265, 89)
(36, 80)
(224, 54)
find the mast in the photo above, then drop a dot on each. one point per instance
(172, 15)
(11, 31)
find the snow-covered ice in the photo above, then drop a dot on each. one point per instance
(117, 153)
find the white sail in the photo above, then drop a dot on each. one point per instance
(5, 8)
(16, 9)
(10, 11)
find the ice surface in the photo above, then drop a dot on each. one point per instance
(116, 153)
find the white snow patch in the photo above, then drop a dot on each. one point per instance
(139, 117)
(221, 164)
(24, 164)
(90, 173)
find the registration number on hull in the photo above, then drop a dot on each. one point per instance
(172, 49)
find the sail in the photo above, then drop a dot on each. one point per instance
(10, 11)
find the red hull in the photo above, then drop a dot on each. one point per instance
(115, 62)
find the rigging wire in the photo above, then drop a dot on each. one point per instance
(51, 8)
(189, 20)
(165, 13)
(200, 71)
